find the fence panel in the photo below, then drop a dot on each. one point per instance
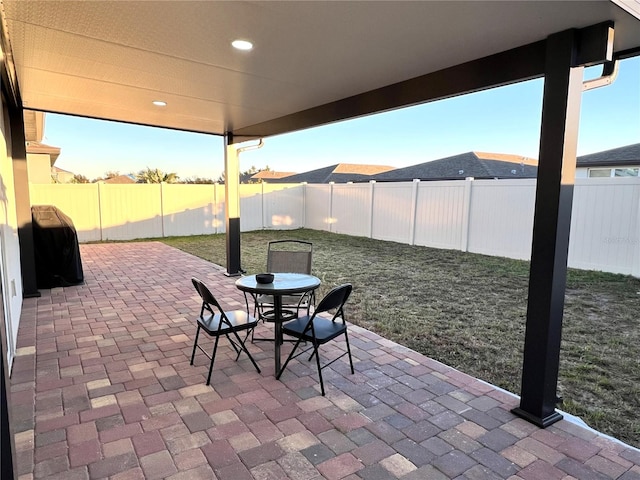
(501, 218)
(130, 211)
(81, 203)
(189, 210)
(318, 207)
(392, 211)
(251, 213)
(605, 225)
(351, 209)
(220, 196)
(440, 210)
(492, 217)
(283, 206)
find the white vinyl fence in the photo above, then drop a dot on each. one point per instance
(492, 217)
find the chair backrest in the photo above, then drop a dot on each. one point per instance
(289, 256)
(208, 300)
(335, 299)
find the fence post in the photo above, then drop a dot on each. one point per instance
(214, 209)
(304, 204)
(264, 222)
(372, 185)
(466, 214)
(635, 265)
(100, 210)
(162, 207)
(414, 211)
(331, 206)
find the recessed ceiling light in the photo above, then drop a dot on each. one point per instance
(159, 103)
(242, 44)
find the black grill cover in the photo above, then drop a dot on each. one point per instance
(57, 253)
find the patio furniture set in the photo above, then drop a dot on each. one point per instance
(285, 297)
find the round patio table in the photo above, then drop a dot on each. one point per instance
(283, 284)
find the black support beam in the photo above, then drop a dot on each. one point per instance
(551, 225)
(23, 204)
(232, 205)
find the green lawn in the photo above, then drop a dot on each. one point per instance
(468, 311)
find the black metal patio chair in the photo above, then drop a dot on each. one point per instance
(217, 322)
(286, 256)
(319, 330)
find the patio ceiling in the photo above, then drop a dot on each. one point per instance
(110, 60)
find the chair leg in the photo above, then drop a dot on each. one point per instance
(233, 344)
(315, 352)
(243, 343)
(195, 345)
(243, 347)
(213, 358)
(346, 338)
(295, 347)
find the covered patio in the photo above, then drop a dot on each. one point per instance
(102, 388)
(172, 65)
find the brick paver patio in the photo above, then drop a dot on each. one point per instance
(102, 388)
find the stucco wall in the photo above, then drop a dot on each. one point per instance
(10, 257)
(39, 167)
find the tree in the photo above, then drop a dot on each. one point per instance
(198, 180)
(156, 176)
(107, 175)
(245, 177)
(77, 178)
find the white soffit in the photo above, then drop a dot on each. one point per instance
(111, 59)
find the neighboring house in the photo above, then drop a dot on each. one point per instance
(478, 165)
(269, 175)
(120, 179)
(40, 157)
(40, 160)
(61, 176)
(339, 173)
(617, 162)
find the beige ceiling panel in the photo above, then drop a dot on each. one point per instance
(181, 112)
(155, 72)
(306, 53)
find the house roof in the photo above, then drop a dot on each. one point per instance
(312, 63)
(120, 179)
(60, 170)
(270, 175)
(470, 164)
(627, 155)
(338, 173)
(40, 148)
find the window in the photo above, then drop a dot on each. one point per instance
(614, 172)
(626, 172)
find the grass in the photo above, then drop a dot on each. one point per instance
(468, 311)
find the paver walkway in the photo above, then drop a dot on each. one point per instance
(102, 388)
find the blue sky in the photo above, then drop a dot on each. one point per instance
(502, 120)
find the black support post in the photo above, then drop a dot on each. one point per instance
(232, 205)
(23, 204)
(551, 224)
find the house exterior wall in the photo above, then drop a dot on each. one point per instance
(10, 247)
(39, 167)
(583, 172)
